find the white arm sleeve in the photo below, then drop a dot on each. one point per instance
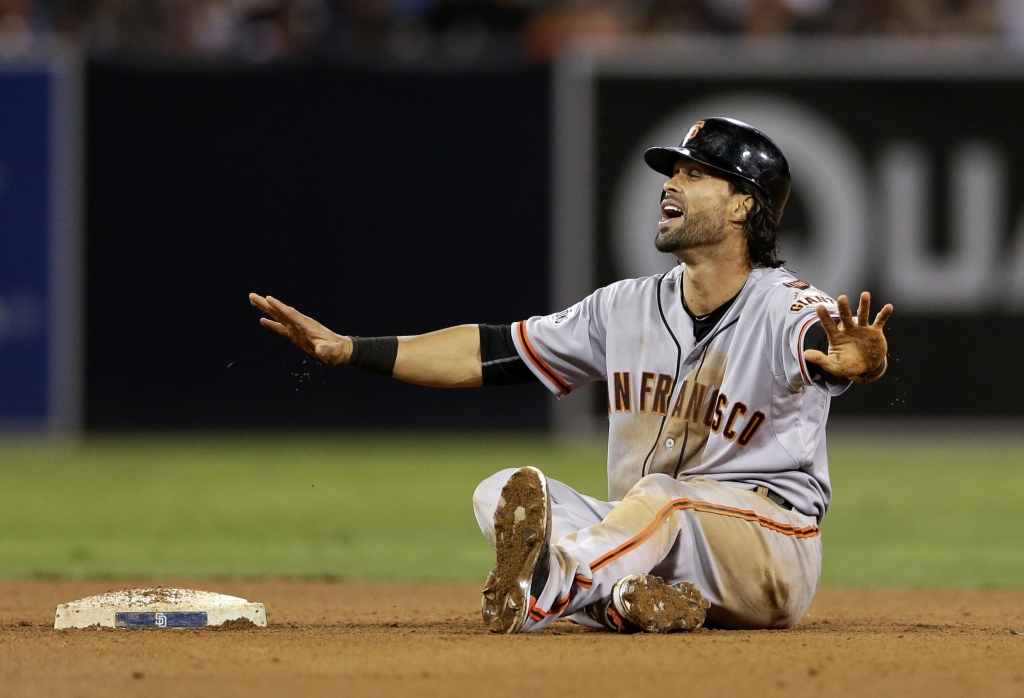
(567, 349)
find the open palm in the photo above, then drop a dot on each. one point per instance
(856, 348)
(305, 332)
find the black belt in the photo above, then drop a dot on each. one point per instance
(774, 496)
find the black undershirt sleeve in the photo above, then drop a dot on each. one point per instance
(817, 339)
(499, 360)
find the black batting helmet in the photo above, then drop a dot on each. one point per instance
(735, 149)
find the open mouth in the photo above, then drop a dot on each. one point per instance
(670, 211)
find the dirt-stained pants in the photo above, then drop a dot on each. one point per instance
(757, 563)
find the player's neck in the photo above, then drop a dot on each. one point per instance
(712, 276)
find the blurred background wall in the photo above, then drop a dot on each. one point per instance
(377, 202)
(389, 166)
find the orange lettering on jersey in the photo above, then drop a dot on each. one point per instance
(693, 407)
(710, 411)
(645, 390)
(753, 424)
(677, 408)
(716, 421)
(623, 391)
(738, 410)
(662, 393)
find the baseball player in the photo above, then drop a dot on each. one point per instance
(719, 374)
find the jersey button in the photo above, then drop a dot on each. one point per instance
(670, 443)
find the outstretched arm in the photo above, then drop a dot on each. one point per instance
(856, 347)
(448, 358)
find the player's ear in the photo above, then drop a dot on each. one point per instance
(739, 207)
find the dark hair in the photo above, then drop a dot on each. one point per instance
(760, 227)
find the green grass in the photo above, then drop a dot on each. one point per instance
(935, 513)
(942, 511)
(349, 507)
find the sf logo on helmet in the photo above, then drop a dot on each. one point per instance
(694, 130)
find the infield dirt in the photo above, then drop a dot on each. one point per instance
(427, 639)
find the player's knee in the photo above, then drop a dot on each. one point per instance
(653, 485)
(656, 481)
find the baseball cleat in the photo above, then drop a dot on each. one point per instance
(522, 530)
(645, 602)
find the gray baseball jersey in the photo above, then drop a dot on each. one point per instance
(738, 406)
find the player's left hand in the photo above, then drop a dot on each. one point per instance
(856, 348)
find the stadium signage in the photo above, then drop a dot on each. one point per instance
(907, 159)
(40, 292)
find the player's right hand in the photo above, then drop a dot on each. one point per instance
(305, 332)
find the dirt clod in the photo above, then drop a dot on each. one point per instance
(236, 624)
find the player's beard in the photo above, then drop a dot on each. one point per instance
(699, 227)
